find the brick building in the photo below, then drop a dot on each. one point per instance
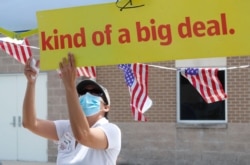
(165, 138)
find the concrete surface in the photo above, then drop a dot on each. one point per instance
(24, 163)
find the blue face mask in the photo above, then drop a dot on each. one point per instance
(90, 104)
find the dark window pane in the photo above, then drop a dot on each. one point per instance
(193, 107)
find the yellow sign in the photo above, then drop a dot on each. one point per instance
(144, 31)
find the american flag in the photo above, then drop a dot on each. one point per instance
(19, 50)
(206, 82)
(136, 78)
(88, 71)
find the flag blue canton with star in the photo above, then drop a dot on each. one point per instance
(128, 74)
(192, 71)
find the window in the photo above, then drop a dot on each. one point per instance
(192, 109)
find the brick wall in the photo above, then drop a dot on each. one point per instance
(164, 99)
(160, 141)
(238, 90)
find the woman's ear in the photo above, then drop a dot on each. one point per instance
(106, 108)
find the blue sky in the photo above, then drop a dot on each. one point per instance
(19, 15)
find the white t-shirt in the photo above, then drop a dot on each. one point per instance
(68, 154)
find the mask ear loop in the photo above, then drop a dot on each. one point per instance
(106, 106)
(106, 112)
(102, 100)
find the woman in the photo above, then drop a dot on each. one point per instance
(87, 137)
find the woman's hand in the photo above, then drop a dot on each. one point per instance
(29, 71)
(68, 71)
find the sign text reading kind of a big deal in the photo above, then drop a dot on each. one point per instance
(162, 30)
(153, 31)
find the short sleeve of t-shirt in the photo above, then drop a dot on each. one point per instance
(113, 134)
(60, 127)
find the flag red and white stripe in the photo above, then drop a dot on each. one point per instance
(18, 50)
(136, 77)
(206, 82)
(88, 71)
